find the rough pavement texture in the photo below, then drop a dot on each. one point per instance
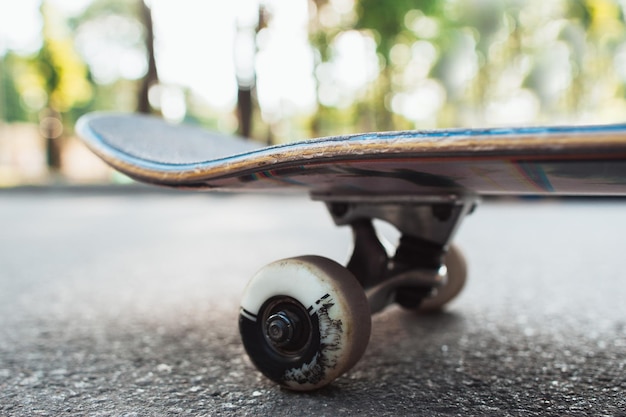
(126, 305)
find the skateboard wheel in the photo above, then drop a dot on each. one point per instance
(304, 321)
(457, 275)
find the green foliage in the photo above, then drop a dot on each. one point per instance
(485, 62)
(386, 19)
(11, 107)
(62, 75)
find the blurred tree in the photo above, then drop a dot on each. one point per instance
(386, 22)
(478, 62)
(326, 23)
(151, 78)
(11, 107)
(245, 61)
(116, 39)
(58, 76)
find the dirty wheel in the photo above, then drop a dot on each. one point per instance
(304, 321)
(457, 275)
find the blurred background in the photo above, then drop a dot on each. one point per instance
(283, 70)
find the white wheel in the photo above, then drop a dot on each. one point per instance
(457, 275)
(304, 321)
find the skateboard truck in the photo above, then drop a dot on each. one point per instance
(417, 269)
(305, 321)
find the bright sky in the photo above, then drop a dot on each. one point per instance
(195, 41)
(20, 25)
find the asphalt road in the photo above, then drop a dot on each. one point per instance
(125, 304)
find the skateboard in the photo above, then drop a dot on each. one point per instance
(305, 321)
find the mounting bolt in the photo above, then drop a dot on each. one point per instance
(279, 329)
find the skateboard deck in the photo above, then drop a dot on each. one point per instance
(574, 160)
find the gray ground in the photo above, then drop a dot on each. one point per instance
(125, 304)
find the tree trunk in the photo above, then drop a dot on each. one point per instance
(152, 77)
(245, 109)
(246, 81)
(51, 128)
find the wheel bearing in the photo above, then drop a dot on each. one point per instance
(286, 326)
